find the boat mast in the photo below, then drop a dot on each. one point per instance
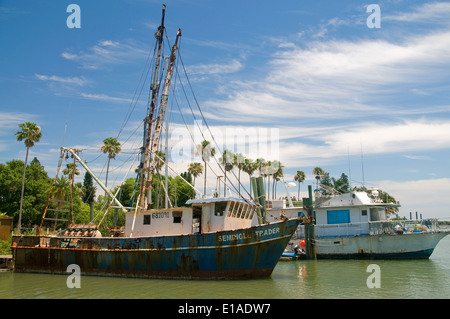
(148, 120)
(162, 107)
(148, 166)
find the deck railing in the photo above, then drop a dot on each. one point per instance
(369, 228)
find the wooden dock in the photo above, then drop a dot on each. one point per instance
(5, 262)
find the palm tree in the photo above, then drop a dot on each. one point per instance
(31, 133)
(71, 170)
(112, 147)
(275, 169)
(195, 169)
(239, 163)
(299, 177)
(227, 161)
(61, 190)
(249, 167)
(319, 172)
(276, 178)
(206, 151)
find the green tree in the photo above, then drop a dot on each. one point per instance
(249, 167)
(206, 151)
(299, 177)
(226, 161)
(88, 195)
(342, 184)
(71, 170)
(195, 169)
(30, 133)
(239, 161)
(276, 177)
(112, 147)
(319, 172)
(61, 191)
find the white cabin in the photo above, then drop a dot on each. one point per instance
(205, 215)
(347, 214)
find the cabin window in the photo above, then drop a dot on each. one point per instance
(231, 208)
(147, 219)
(252, 211)
(247, 212)
(177, 217)
(244, 210)
(364, 212)
(235, 208)
(338, 216)
(239, 212)
(219, 208)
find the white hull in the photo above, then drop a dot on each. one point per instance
(411, 245)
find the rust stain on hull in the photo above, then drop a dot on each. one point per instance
(221, 255)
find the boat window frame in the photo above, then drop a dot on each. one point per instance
(230, 208)
(247, 213)
(147, 219)
(239, 211)
(235, 209)
(177, 216)
(222, 213)
(252, 213)
(244, 210)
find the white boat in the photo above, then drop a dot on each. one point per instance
(355, 225)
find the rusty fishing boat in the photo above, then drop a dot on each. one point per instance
(208, 238)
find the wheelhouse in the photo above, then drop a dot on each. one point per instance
(204, 216)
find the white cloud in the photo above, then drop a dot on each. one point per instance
(103, 97)
(429, 13)
(9, 122)
(339, 78)
(107, 52)
(423, 196)
(208, 69)
(79, 81)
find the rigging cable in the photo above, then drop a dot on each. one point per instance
(203, 117)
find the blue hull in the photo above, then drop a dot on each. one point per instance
(246, 253)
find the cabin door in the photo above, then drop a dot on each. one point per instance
(196, 219)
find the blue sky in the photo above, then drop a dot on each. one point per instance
(369, 102)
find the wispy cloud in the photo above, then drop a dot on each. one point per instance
(216, 68)
(329, 144)
(435, 12)
(79, 81)
(422, 196)
(339, 79)
(103, 97)
(9, 122)
(107, 52)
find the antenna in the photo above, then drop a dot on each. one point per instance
(362, 162)
(349, 168)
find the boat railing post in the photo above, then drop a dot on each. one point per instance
(309, 226)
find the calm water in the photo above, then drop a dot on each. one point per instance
(293, 279)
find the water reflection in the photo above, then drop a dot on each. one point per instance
(293, 279)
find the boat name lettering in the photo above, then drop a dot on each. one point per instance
(267, 232)
(248, 235)
(160, 215)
